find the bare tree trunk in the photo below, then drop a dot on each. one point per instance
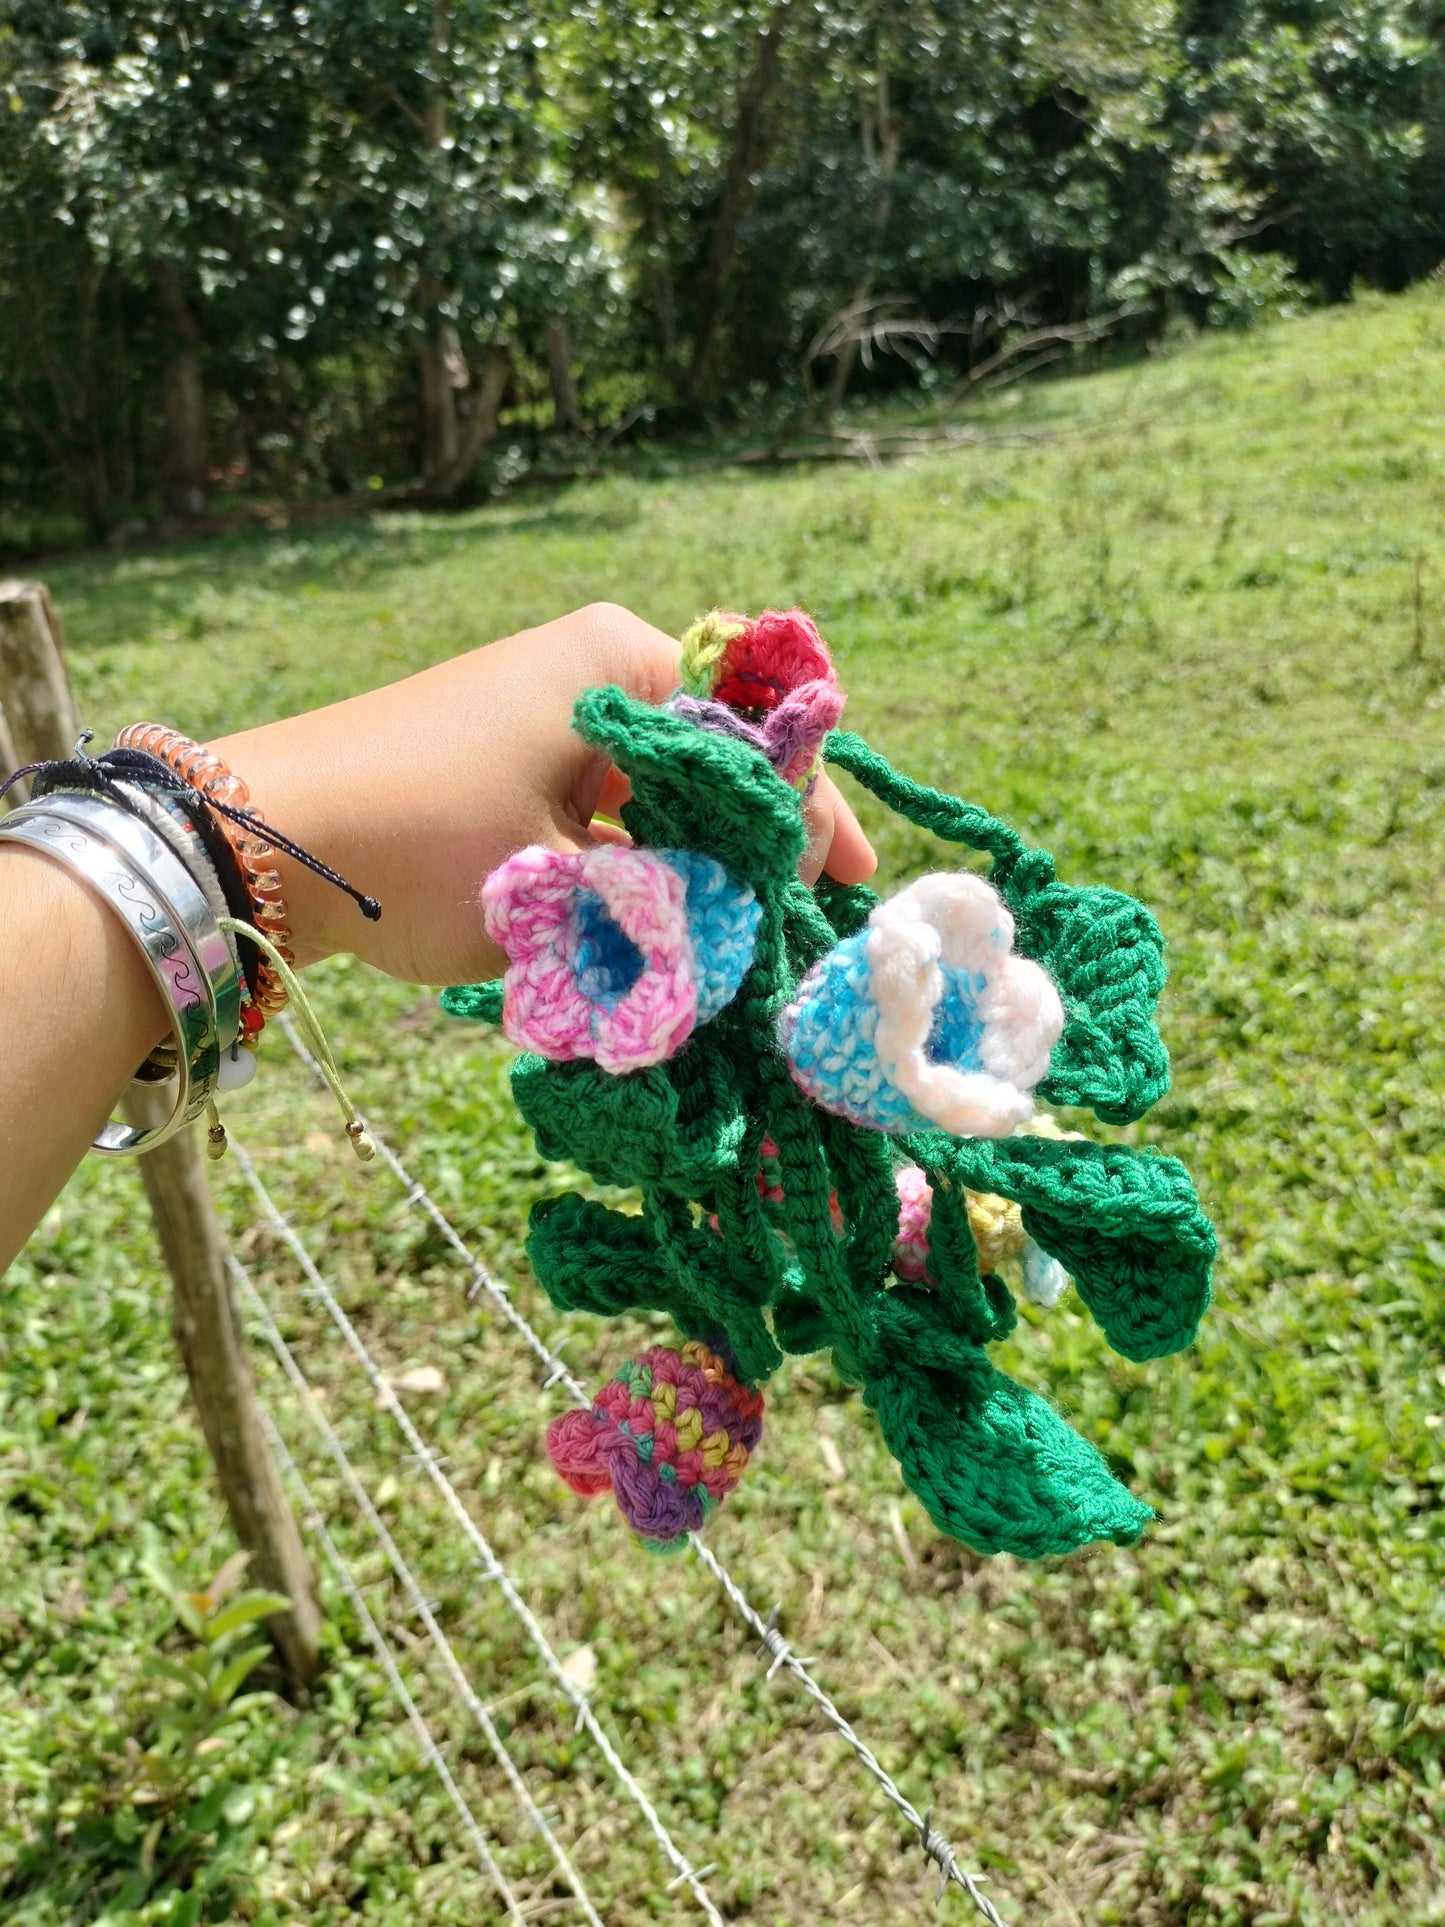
(60, 301)
(566, 415)
(444, 379)
(438, 413)
(477, 413)
(183, 477)
(457, 421)
(750, 143)
(459, 416)
(659, 270)
(881, 139)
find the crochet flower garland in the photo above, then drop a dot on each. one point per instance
(819, 1110)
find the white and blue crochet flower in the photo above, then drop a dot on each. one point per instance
(927, 1016)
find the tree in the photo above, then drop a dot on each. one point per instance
(674, 112)
(176, 137)
(1327, 122)
(436, 207)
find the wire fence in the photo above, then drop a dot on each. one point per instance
(781, 1660)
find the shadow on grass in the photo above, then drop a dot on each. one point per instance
(169, 583)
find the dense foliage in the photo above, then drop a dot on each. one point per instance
(311, 246)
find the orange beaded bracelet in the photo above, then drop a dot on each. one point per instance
(206, 773)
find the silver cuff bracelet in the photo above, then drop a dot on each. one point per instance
(165, 910)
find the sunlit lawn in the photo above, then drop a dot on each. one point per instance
(1189, 633)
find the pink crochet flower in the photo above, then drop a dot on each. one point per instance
(915, 1215)
(616, 954)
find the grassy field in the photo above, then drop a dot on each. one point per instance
(1184, 624)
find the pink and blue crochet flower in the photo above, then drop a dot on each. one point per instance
(616, 954)
(926, 1016)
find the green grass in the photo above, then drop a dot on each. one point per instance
(1190, 636)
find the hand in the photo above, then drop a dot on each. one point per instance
(414, 792)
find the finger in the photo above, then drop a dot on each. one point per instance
(600, 789)
(836, 843)
(851, 857)
(628, 651)
(616, 790)
(820, 813)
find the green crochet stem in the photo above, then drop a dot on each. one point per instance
(995, 1466)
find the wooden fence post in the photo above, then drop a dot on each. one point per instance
(208, 1333)
(33, 684)
(37, 700)
(9, 759)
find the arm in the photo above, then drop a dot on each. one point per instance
(413, 792)
(78, 1012)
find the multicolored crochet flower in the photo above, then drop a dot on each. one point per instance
(769, 683)
(998, 1233)
(927, 1016)
(616, 954)
(671, 1435)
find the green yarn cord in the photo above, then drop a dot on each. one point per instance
(994, 1465)
(475, 1000)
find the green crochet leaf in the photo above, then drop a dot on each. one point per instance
(591, 1259)
(1103, 949)
(697, 791)
(800, 1323)
(652, 1126)
(996, 1466)
(482, 1001)
(730, 1294)
(993, 1463)
(1127, 1225)
(1105, 952)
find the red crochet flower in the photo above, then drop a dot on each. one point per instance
(770, 682)
(772, 658)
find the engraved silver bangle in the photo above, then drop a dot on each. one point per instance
(179, 888)
(166, 914)
(172, 822)
(212, 953)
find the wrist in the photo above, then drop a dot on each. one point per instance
(79, 1012)
(289, 790)
(79, 950)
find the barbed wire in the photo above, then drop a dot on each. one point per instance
(935, 1845)
(315, 1521)
(488, 1563)
(420, 1603)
